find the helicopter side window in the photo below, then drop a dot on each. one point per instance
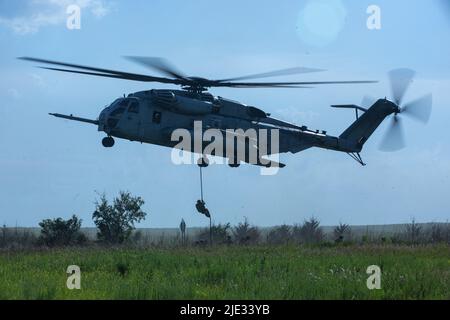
(157, 117)
(134, 107)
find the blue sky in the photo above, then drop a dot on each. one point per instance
(53, 168)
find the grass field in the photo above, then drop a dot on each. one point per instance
(289, 272)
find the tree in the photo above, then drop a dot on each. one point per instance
(59, 232)
(342, 233)
(280, 235)
(244, 233)
(309, 232)
(413, 232)
(220, 234)
(116, 221)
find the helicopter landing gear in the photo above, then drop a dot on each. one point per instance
(108, 142)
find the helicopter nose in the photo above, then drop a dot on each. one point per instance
(103, 115)
(102, 119)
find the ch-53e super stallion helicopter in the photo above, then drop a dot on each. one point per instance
(152, 116)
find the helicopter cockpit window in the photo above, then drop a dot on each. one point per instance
(124, 103)
(134, 107)
(118, 112)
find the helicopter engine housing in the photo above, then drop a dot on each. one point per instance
(167, 99)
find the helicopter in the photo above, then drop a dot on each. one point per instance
(152, 116)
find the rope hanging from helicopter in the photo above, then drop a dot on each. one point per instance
(201, 204)
(201, 184)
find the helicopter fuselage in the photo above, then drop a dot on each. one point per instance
(153, 116)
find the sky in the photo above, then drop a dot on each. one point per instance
(55, 168)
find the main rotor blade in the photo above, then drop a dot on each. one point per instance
(102, 72)
(400, 80)
(268, 87)
(419, 109)
(159, 64)
(276, 73)
(394, 137)
(269, 84)
(106, 75)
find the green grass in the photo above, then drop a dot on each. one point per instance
(229, 273)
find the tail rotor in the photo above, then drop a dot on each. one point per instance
(419, 109)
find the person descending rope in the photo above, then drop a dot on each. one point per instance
(201, 208)
(201, 205)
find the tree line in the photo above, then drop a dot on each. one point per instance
(115, 224)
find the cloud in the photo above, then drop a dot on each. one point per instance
(44, 13)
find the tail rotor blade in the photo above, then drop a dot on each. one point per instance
(400, 80)
(394, 138)
(419, 109)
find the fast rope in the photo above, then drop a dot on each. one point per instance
(201, 184)
(201, 205)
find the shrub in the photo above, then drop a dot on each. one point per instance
(342, 233)
(413, 232)
(439, 234)
(280, 235)
(246, 234)
(59, 232)
(220, 234)
(309, 232)
(17, 238)
(116, 222)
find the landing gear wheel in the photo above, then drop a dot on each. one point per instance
(108, 142)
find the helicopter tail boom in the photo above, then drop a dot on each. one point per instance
(357, 134)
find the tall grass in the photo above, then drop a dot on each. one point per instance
(229, 272)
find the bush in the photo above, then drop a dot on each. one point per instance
(280, 235)
(413, 232)
(220, 234)
(116, 222)
(342, 233)
(309, 232)
(59, 232)
(16, 238)
(246, 234)
(440, 233)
